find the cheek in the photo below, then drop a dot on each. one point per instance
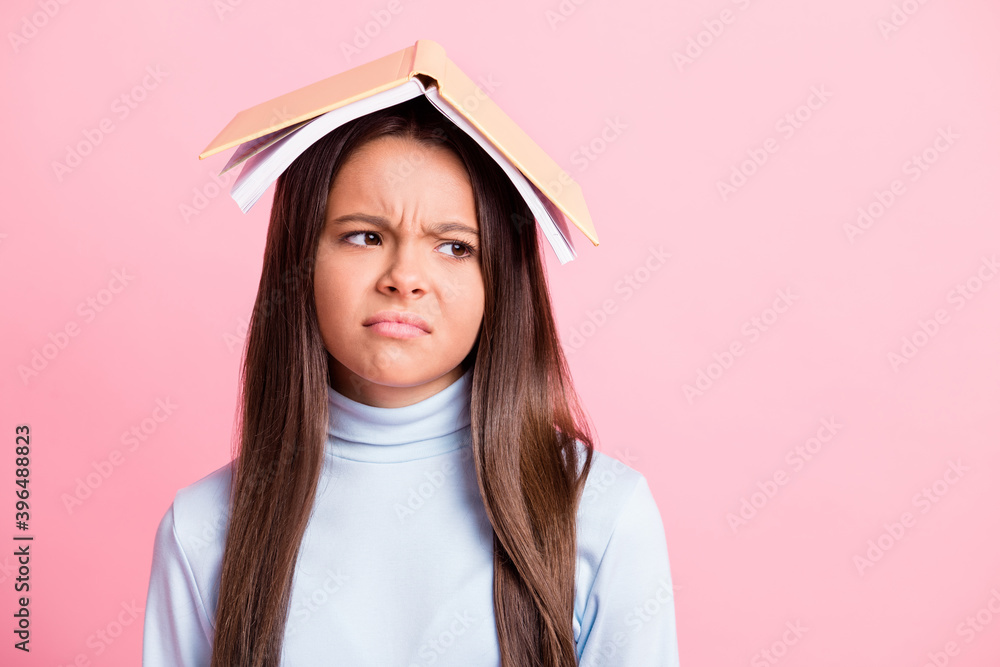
(466, 311)
(331, 294)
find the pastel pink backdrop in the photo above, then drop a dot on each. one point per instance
(751, 556)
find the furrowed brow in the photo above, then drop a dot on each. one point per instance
(382, 223)
(376, 220)
(447, 227)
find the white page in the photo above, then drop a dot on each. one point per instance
(263, 168)
(558, 238)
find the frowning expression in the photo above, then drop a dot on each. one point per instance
(398, 283)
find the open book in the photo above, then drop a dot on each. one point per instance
(266, 147)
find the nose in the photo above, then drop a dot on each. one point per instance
(405, 272)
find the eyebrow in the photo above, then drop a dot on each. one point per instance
(382, 223)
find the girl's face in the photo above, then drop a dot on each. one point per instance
(400, 239)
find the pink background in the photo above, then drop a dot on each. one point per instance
(664, 133)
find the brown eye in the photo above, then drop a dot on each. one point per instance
(366, 236)
(464, 250)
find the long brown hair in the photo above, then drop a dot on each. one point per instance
(526, 416)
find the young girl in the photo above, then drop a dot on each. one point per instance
(416, 483)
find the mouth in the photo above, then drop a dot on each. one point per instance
(395, 324)
(397, 330)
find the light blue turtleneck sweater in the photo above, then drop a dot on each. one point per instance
(396, 564)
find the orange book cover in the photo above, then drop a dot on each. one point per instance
(425, 58)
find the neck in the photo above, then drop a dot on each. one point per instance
(436, 424)
(347, 383)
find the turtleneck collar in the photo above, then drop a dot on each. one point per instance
(433, 426)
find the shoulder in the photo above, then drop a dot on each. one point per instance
(616, 498)
(619, 527)
(622, 567)
(188, 549)
(198, 516)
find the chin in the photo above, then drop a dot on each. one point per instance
(397, 375)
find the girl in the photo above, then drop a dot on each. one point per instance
(415, 483)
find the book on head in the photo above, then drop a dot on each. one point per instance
(268, 142)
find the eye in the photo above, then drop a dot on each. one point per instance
(458, 250)
(351, 235)
(465, 249)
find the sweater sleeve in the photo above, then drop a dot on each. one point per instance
(628, 620)
(176, 630)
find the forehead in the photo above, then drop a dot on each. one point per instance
(396, 172)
